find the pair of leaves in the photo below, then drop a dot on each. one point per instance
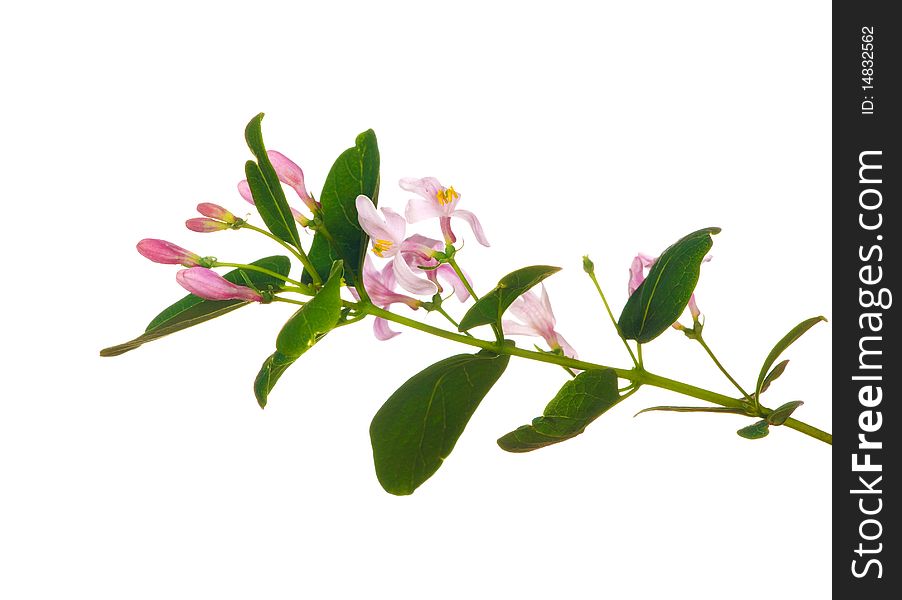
(269, 197)
(766, 376)
(192, 310)
(579, 402)
(489, 309)
(418, 426)
(778, 416)
(306, 327)
(760, 429)
(355, 172)
(660, 300)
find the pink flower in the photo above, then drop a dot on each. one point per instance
(167, 253)
(380, 287)
(537, 320)
(438, 201)
(638, 268)
(387, 234)
(210, 285)
(419, 251)
(290, 174)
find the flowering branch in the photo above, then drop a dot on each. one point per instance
(341, 283)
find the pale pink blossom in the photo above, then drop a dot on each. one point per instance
(419, 252)
(380, 287)
(167, 253)
(536, 319)
(438, 201)
(210, 285)
(386, 231)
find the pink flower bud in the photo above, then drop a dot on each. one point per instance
(204, 225)
(167, 253)
(244, 189)
(214, 211)
(291, 174)
(300, 218)
(693, 308)
(210, 285)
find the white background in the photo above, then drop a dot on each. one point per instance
(568, 130)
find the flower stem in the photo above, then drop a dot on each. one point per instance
(450, 319)
(748, 397)
(301, 287)
(298, 252)
(638, 376)
(499, 335)
(288, 300)
(591, 275)
(463, 279)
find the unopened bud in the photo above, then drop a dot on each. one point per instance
(167, 253)
(214, 211)
(205, 225)
(210, 285)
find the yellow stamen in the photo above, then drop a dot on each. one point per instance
(380, 247)
(446, 195)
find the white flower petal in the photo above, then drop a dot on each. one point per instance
(548, 315)
(420, 209)
(514, 328)
(410, 281)
(396, 225)
(382, 331)
(565, 346)
(475, 225)
(427, 187)
(370, 220)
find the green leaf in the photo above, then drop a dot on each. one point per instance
(269, 197)
(774, 374)
(417, 427)
(781, 414)
(192, 310)
(579, 402)
(305, 327)
(272, 369)
(755, 431)
(794, 334)
(488, 309)
(355, 172)
(709, 409)
(661, 298)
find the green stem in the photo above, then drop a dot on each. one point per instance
(297, 290)
(298, 252)
(607, 307)
(287, 300)
(724, 371)
(450, 319)
(637, 375)
(499, 335)
(304, 288)
(463, 279)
